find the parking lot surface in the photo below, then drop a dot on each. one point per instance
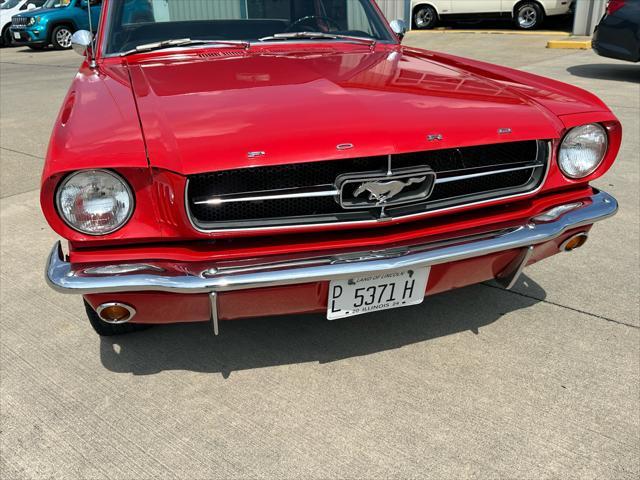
(542, 381)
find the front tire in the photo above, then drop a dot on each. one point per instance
(425, 17)
(528, 16)
(61, 37)
(105, 329)
(7, 39)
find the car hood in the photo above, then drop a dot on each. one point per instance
(39, 11)
(8, 14)
(232, 109)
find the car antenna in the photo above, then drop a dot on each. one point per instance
(92, 58)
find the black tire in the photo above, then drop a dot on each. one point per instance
(61, 37)
(7, 39)
(425, 17)
(105, 329)
(528, 15)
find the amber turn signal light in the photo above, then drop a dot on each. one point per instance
(573, 242)
(115, 312)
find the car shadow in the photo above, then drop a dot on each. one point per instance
(25, 49)
(559, 23)
(607, 71)
(266, 342)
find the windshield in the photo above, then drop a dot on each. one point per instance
(133, 23)
(56, 3)
(10, 4)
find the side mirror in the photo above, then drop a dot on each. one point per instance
(81, 42)
(31, 6)
(399, 28)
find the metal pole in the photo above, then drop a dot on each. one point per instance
(92, 61)
(89, 13)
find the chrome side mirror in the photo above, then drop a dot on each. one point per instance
(81, 42)
(399, 28)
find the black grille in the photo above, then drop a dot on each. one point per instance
(20, 21)
(530, 156)
(279, 176)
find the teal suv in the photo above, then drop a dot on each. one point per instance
(54, 23)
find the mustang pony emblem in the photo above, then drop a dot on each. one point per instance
(383, 191)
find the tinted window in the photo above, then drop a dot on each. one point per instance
(10, 4)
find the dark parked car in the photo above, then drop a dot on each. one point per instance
(618, 34)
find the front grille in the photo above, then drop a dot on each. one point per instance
(308, 193)
(20, 21)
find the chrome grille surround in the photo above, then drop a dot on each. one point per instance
(538, 167)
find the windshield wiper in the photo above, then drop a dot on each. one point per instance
(181, 42)
(317, 35)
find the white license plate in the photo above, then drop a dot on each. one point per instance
(16, 35)
(370, 293)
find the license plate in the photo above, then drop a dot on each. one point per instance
(16, 35)
(370, 293)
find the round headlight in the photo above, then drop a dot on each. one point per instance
(95, 202)
(582, 150)
(32, 21)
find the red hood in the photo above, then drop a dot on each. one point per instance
(202, 113)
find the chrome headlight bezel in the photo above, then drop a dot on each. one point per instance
(32, 21)
(571, 136)
(115, 176)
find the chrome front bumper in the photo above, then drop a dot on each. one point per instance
(62, 276)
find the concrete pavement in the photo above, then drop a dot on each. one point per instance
(540, 382)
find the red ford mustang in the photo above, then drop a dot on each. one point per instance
(223, 160)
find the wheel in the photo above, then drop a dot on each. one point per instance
(7, 39)
(528, 15)
(425, 17)
(61, 37)
(105, 329)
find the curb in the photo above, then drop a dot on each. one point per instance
(570, 44)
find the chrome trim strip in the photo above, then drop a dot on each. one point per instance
(260, 196)
(122, 269)
(62, 277)
(497, 201)
(486, 174)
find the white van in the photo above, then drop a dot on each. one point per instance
(527, 14)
